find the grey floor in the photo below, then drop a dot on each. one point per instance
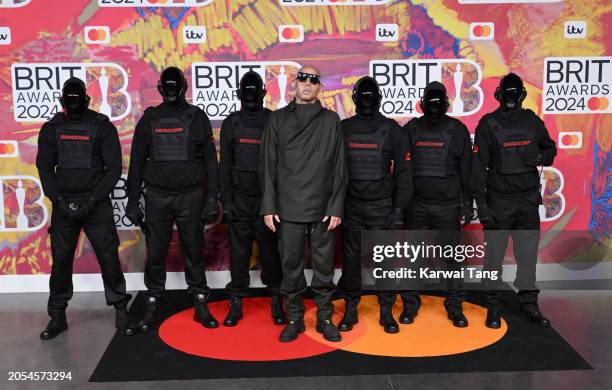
(583, 318)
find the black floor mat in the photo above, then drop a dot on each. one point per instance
(525, 347)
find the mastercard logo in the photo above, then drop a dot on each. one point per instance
(8, 149)
(96, 35)
(291, 33)
(482, 31)
(570, 140)
(598, 103)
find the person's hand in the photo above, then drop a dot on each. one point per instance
(228, 213)
(395, 220)
(532, 157)
(466, 214)
(269, 221)
(64, 205)
(211, 211)
(136, 217)
(85, 208)
(486, 217)
(334, 222)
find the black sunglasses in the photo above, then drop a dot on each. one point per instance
(314, 78)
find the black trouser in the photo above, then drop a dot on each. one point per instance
(99, 227)
(162, 211)
(445, 217)
(360, 215)
(520, 219)
(292, 237)
(246, 225)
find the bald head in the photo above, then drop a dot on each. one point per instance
(310, 69)
(307, 85)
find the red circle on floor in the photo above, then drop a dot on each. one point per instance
(255, 338)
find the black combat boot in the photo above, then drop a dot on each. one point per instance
(202, 314)
(350, 317)
(149, 319)
(235, 312)
(122, 320)
(278, 314)
(493, 320)
(57, 324)
(387, 320)
(458, 318)
(535, 316)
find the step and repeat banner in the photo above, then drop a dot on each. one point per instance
(119, 48)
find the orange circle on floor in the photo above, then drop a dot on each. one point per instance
(431, 334)
(255, 338)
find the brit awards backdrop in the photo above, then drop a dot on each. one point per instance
(560, 48)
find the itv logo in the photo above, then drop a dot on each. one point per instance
(194, 34)
(387, 32)
(575, 29)
(5, 36)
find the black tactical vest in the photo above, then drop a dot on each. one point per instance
(511, 143)
(248, 142)
(75, 143)
(170, 136)
(364, 154)
(430, 150)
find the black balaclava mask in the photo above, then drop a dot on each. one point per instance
(172, 86)
(74, 98)
(434, 102)
(251, 92)
(366, 96)
(511, 92)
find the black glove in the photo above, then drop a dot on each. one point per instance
(85, 207)
(395, 220)
(211, 211)
(228, 213)
(136, 216)
(69, 207)
(466, 214)
(486, 217)
(532, 157)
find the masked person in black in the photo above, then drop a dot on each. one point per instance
(79, 163)
(173, 153)
(375, 199)
(303, 179)
(511, 142)
(441, 159)
(241, 135)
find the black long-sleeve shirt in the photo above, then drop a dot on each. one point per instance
(173, 177)
(57, 181)
(396, 149)
(248, 182)
(303, 172)
(453, 188)
(486, 154)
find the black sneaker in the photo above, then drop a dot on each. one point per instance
(291, 331)
(329, 330)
